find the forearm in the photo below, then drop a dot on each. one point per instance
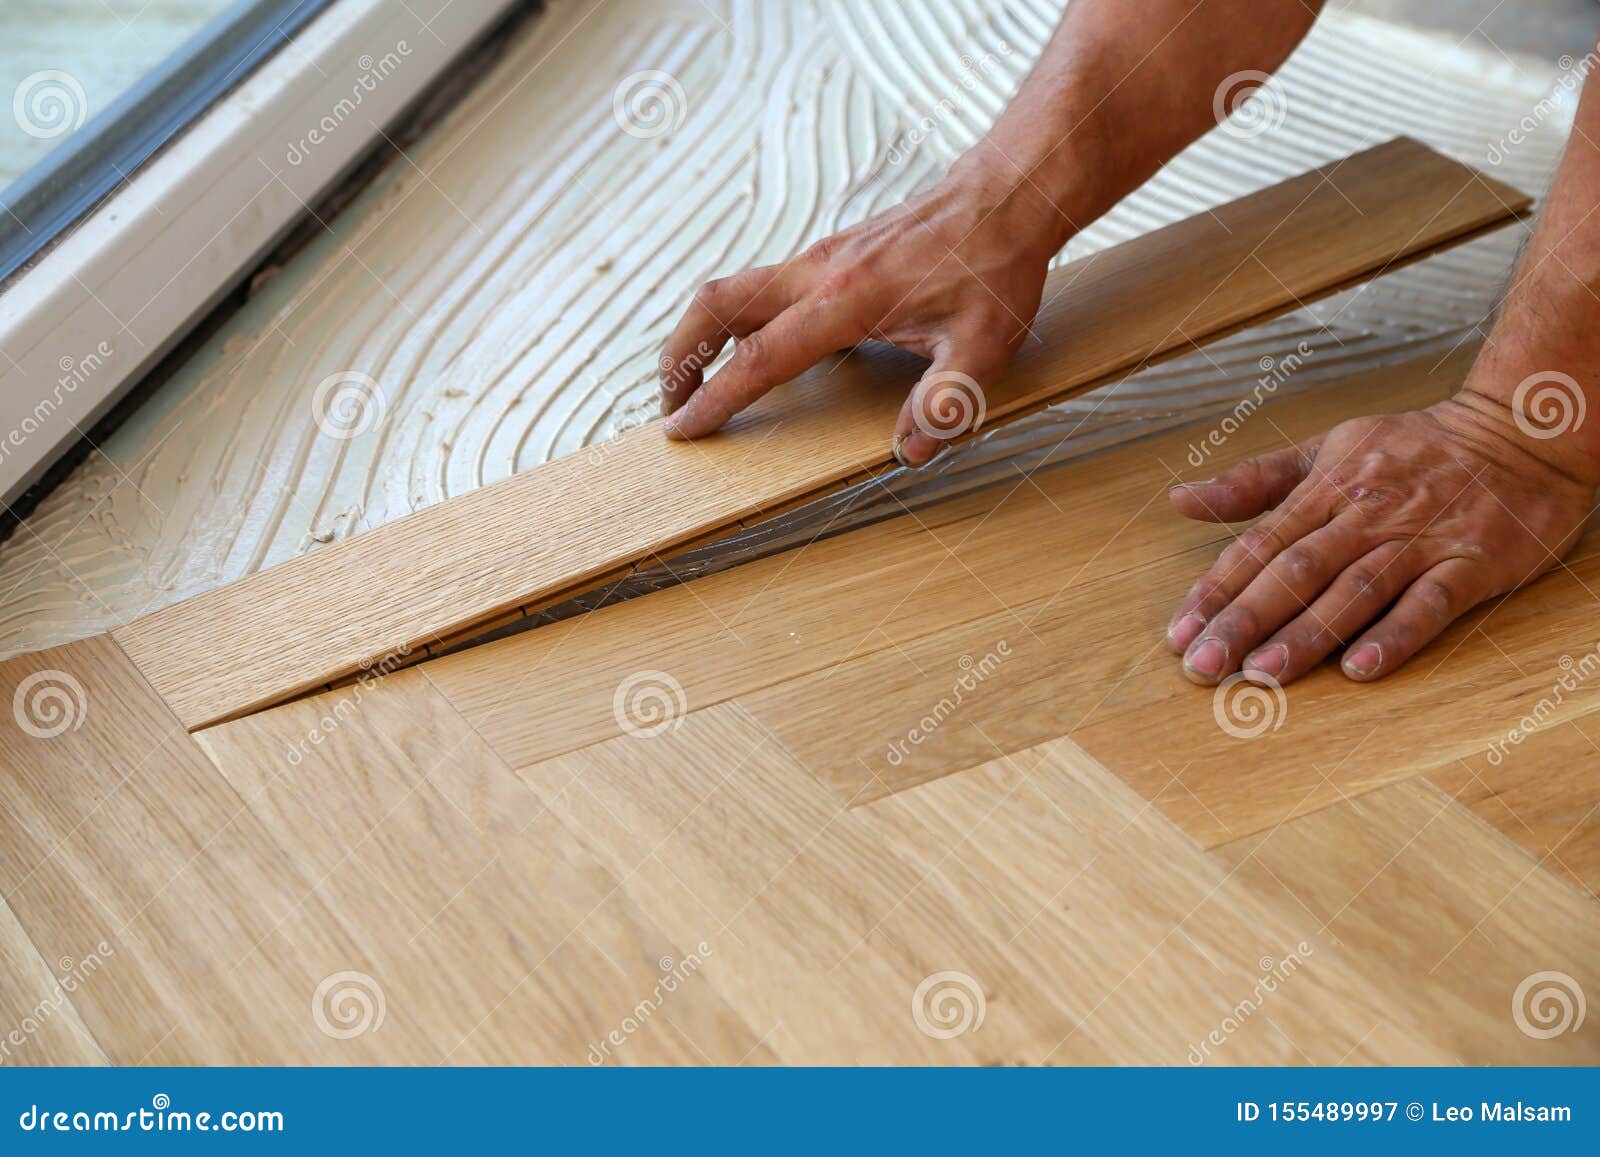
(1118, 91)
(1549, 325)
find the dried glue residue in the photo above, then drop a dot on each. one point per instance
(499, 298)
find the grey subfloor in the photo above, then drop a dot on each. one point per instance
(1545, 28)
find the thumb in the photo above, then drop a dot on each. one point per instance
(946, 403)
(1246, 490)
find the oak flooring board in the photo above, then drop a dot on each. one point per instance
(39, 1024)
(118, 840)
(1541, 789)
(1438, 906)
(1151, 942)
(308, 621)
(1074, 534)
(820, 933)
(1328, 738)
(483, 917)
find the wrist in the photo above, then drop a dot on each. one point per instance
(1535, 423)
(1042, 214)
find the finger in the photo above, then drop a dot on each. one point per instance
(1245, 490)
(790, 344)
(1306, 509)
(1284, 588)
(1430, 604)
(948, 401)
(1354, 599)
(728, 307)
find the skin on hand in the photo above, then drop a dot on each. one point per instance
(954, 275)
(1379, 534)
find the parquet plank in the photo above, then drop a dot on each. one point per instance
(880, 616)
(1441, 910)
(1541, 789)
(39, 1025)
(554, 528)
(120, 843)
(481, 912)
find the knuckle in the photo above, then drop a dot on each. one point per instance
(823, 249)
(712, 294)
(755, 352)
(1300, 562)
(1235, 622)
(1439, 599)
(1361, 579)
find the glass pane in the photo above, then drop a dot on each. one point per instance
(64, 61)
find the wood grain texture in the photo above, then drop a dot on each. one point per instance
(1541, 788)
(120, 843)
(484, 918)
(39, 1024)
(1408, 882)
(1058, 563)
(555, 528)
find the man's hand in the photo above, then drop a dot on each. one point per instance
(1382, 531)
(954, 275)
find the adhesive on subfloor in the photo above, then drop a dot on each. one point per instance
(499, 297)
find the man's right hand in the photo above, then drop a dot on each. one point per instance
(954, 275)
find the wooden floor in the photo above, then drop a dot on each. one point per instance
(929, 792)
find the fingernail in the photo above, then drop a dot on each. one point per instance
(914, 450)
(1270, 661)
(1201, 482)
(673, 423)
(1364, 660)
(1183, 632)
(1207, 659)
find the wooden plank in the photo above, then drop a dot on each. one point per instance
(39, 1024)
(1540, 787)
(120, 843)
(482, 914)
(1440, 907)
(309, 621)
(1162, 953)
(881, 616)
